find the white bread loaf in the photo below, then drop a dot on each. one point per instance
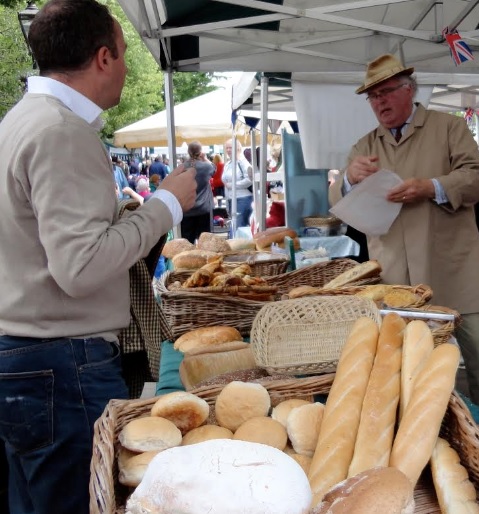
(366, 269)
(132, 466)
(242, 244)
(176, 246)
(417, 347)
(185, 410)
(342, 412)
(222, 477)
(419, 427)
(149, 434)
(262, 430)
(374, 491)
(378, 415)
(239, 401)
(281, 411)
(206, 433)
(303, 425)
(455, 492)
(206, 336)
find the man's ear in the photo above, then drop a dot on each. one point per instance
(103, 57)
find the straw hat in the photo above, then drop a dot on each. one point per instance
(382, 68)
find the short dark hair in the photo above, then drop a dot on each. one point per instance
(66, 34)
(194, 149)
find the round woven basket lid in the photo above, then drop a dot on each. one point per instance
(321, 221)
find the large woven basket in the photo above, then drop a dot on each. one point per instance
(187, 310)
(108, 496)
(305, 336)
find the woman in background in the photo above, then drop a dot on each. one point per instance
(217, 181)
(199, 218)
(244, 185)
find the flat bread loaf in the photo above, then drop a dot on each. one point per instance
(205, 337)
(363, 270)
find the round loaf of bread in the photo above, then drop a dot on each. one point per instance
(185, 410)
(222, 477)
(205, 337)
(239, 401)
(374, 491)
(213, 243)
(132, 466)
(263, 430)
(192, 259)
(303, 426)
(206, 433)
(281, 411)
(149, 433)
(176, 246)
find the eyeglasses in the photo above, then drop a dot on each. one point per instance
(373, 97)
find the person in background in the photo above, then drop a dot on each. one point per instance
(434, 239)
(154, 182)
(200, 217)
(244, 185)
(143, 188)
(158, 168)
(166, 162)
(120, 178)
(66, 298)
(217, 181)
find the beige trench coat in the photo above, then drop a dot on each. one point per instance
(428, 243)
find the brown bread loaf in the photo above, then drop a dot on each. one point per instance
(378, 415)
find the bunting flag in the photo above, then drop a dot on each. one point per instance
(468, 114)
(460, 51)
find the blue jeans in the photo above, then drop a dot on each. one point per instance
(51, 393)
(244, 208)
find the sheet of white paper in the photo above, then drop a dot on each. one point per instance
(366, 207)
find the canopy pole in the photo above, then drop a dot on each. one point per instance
(254, 165)
(263, 151)
(233, 213)
(477, 128)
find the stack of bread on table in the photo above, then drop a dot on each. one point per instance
(362, 452)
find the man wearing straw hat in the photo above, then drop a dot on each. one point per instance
(434, 240)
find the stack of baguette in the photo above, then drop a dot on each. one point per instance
(380, 369)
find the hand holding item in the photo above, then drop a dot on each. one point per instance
(182, 183)
(361, 167)
(412, 190)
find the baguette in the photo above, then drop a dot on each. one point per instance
(378, 416)
(366, 269)
(455, 492)
(342, 412)
(417, 347)
(419, 427)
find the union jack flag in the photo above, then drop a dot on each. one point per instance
(460, 51)
(468, 114)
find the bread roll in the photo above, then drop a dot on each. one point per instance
(374, 491)
(303, 425)
(206, 336)
(266, 238)
(342, 412)
(419, 427)
(366, 269)
(417, 347)
(192, 259)
(239, 401)
(455, 492)
(185, 410)
(197, 368)
(149, 433)
(206, 433)
(176, 246)
(378, 415)
(222, 477)
(132, 466)
(262, 430)
(281, 411)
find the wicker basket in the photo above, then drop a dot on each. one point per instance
(187, 310)
(321, 221)
(305, 336)
(108, 496)
(263, 264)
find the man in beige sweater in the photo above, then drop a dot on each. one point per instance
(65, 256)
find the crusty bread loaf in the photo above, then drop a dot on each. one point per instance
(197, 368)
(303, 425)
(305, 290)
(417, 347)
(213, 243)
(132, 466)
(339, 426)
(149, 434)
(374, 491)
(185, 410)
(366, 269)
(378, 415)
(176, 246)
(206, 336)
(281, 411)
(455, 492)
(266, 238)
(242, 244)
(419, 427)
(206, 433)
(264, 430)
(192, 259)
(239, 401)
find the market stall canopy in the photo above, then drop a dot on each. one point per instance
(302, 35)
